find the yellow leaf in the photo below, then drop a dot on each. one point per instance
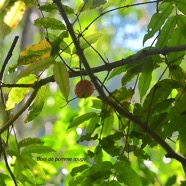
(15, 14)
(35, 52)
(2, 3)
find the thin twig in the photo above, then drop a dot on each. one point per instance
(94, 49)
(4, 106)
(118, 8)
(5, 64)
(78, 14)
(6, 162)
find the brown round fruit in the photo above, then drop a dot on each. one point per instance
(84, 89)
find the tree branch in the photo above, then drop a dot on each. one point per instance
(6, 162)
(4, 66)
(106, 67)
(3, 103)
(8, 57)
(170, 152)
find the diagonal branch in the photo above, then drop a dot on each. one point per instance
(170, 152)
(106, 67)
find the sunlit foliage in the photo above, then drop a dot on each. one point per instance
(131, 131)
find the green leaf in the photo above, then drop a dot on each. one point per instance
(130, 73)
(38, 66)
(12, 153)
(113, 3)
(87, 181)
(183, 183)
(117, 71)
(91, 4)
(133, 69)
(87, 137)
(4, 29)
(159, 93)
(140, 153)
(68, 9)
(116, 136)
(98, 154)
(64, 47)
(166, 32)
(177, 73)
(79, 169)
(59, 44)
(81, 119)
(181, 5)
(171, 181)
(29, 141)
(12, 142)
(87, 41)
(164, 105)
(108, 145)
(178, 38)
(93, 124)
(28, 177)
(90, 154)
(125, 174)
(96, 103)
(181, 137)
(18, 167)
(33, 166)
(36, 108)
(16, 95)
(30, 2)
(176, 119)
(3, 178)
(98, 172)
(181, 21)
(158, 19)
(39, 149)
(49, 7)
(49, 23)
(145, 79)
(76, 181)
(107, 125)
(122, 95)
(61, 77)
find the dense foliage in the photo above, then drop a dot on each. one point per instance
(131, 131)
